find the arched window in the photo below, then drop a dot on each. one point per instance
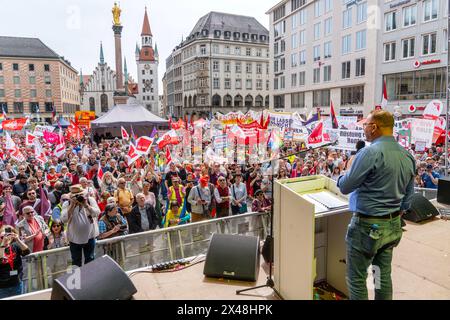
(104, 102)
(228, 101)
(248, 101)
(267, 102)
(259, 101)
(195, 101)
(190, 102)
(92, 104)
(238, 101)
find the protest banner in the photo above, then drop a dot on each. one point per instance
(422, 130)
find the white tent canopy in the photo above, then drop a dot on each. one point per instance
(130, 115)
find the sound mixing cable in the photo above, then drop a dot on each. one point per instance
(154, 271)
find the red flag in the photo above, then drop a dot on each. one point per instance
(168, 156)
(334, 121)
(132, 155)
(169, 137)
(29, 139)
(143, 145)
(73, 131)
(100, 172)
(14, 124)
(316, 135)
(384, 97)
(51, 137)
(125, 135)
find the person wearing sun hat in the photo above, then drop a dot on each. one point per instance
(81, 213)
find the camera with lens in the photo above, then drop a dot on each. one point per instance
(80, 198)
(123, 227)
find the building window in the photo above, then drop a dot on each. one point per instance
(48, 93)
(321, 98)
(46, 67)
(34, 107)
(317, 9)
(360, 67)
(4, 107)
(347, 18)
(202, 50)
(294, 60)
(390, 21)
(248, 84)
(298, 100)
(15, 67)
(389, 51)
(316, 53)
(430, 10)
(279, 13)
(302, 57)
(302, 17)
(293, 80)
(276, 66)
(227, 83)
(327, 50)
(216, 66)
(445, 40)
(1, 66)
(429, 43)
(2, 80)
(267, 85)
(361, 12)
(409, 16)
(32, 80)
(227, 66)
(427, 84)
(301, 78)
(33, 93)
(352, 95)
(408, 47)
(294, 41)
(47, 80)
(361, 40)
(258, 84)
(282, 46)
(2, 93)
(328, 26)
(282, 64)
(302, 37)
(279, 29)
(237, 51)
(248, 67)
(216, 49)
(282, 82)
(275, 48)
(259, 52)
(18, 107)
(31, 67)
(248, 52)
(316, 75)
(143, 72)
(216, 83)
(238, 67)
(259, 68)
(327, 5)
(346, 69)
(346, 44)
(317, 31)
(278, 102)
(327, 73)
(275, 84)
(16, 80)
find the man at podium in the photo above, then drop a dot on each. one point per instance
(381, 183)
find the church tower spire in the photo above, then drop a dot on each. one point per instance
(146, 33)
(102, 57)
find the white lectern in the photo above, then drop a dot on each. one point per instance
(310, 223)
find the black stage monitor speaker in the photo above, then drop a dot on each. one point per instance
(421, 209)
(233, 257)
(101, 279)
(443, 193)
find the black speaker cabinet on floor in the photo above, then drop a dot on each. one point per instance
(232, 257)
(421, 209)
(443, 193)
(101, 279)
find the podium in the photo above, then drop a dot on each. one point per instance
(311, 217)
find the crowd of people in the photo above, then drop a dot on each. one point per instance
(91, 193)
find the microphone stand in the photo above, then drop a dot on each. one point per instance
(269, 239)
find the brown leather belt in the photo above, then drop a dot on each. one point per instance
(387, 216)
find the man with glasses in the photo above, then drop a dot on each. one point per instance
(33, 229)
(381, 183)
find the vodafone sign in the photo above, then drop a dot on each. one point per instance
(418, 64)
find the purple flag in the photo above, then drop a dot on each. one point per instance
(9, 216)
(154, 133)
(45, 204)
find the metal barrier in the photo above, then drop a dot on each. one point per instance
(144, 249)
(430, 194)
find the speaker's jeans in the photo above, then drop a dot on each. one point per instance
(363, 251)
(76, 250)
(17, 290)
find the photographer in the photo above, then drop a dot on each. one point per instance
(80, 214)
(12, 249)
(112, 224)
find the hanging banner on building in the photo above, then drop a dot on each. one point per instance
(422, 130)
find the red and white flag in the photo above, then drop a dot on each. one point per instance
(125, 135)
(168, 156)
(100, 172)
(29, 139)
(60, 149)
(384, 98)
(143, 145)
(169, 137)
(14, 151)
(132, 155)
(318, 135)
(39, 152)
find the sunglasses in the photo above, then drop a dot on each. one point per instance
(29, 213)
(56, 225)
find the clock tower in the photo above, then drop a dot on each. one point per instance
(147, 67)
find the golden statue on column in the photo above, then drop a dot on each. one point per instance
(116, 14)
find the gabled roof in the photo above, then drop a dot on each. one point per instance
(25, 47)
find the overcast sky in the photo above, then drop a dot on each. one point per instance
(74, 28)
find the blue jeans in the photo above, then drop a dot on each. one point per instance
(88, 249)
(11, 291)
(363, 251)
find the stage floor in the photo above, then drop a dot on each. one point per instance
(420, 270)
